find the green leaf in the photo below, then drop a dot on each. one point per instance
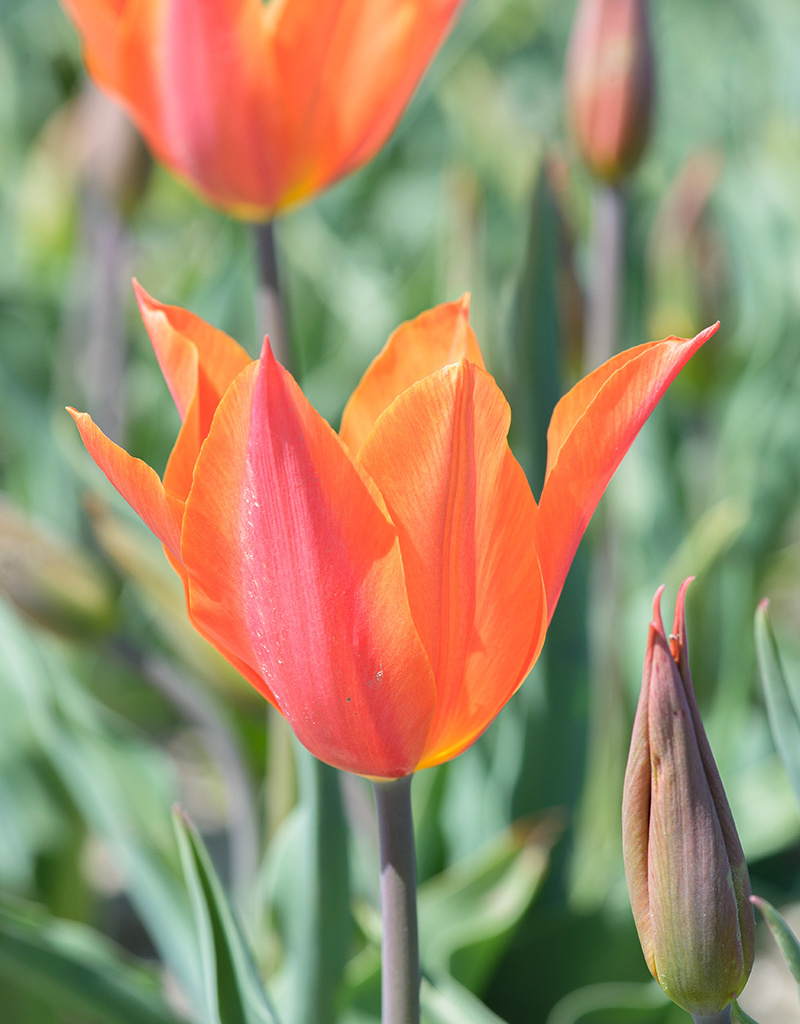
(738, 1014)
(470, 912)
(783, 704)
(305, 887)
(116, 782)
(234, 991)
(621, 1002)
(80, 971)
(782, 934)
(444, 1001)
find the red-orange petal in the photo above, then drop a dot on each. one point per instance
(417, 348)
(592, 428)
(466, 520)
(199, 363)
(138, 484)
(346, 70)
(121, 47)
(213, 56)
(294, 562)
(216, 578)
(195, 358)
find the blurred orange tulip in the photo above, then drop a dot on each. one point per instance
(387, 588)
(260, 105)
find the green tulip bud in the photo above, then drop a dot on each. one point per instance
(684, 864)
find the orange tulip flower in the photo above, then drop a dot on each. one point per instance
(259, 105)
(387, 588)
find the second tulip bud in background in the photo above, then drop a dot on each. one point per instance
(684, 863)
(610, 84)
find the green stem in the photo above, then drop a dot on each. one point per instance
(606, 264)
(324, 928)
(723, 1017)
(271, 309)
(400, 950)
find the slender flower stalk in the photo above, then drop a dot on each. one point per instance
(387, 588)
(609, 85)
(400, 947)
(271, 308)
(723, 1017)
(605, 292)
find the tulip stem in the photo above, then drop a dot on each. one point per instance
(723, 1017)
(400, 949)
(605, 285)
(271, 309)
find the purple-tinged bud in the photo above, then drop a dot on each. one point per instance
(684, 864)
(610, 84)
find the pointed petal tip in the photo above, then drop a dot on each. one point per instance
(709, 332)
(144, 299)
(763, 604)
(464, 302)
(82, 420)
(679, 647)
(699, 339)
(657, 607)
(266, 351)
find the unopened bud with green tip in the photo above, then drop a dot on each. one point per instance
(684, 864)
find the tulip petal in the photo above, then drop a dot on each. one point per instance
(210, 542)
(195, 358)
(120, 41)
(466, 518)
(592, 428)
(346, 71)
(138, 484)
(199, 363)
(417, 348)
(295, 565)
(97, 21)
(214, 57)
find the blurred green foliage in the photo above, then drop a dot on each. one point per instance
(479, 190)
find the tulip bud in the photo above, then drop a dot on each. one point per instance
(684, 864)
(609, 81)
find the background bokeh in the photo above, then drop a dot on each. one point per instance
(111, 709)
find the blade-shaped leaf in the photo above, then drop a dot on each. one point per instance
(782, 933)
(624, 1003)
(444, 1001)
(738, 1014)
(83, 973)
(113, 780)
(234, 991)
(469, 913)
(783, 704)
